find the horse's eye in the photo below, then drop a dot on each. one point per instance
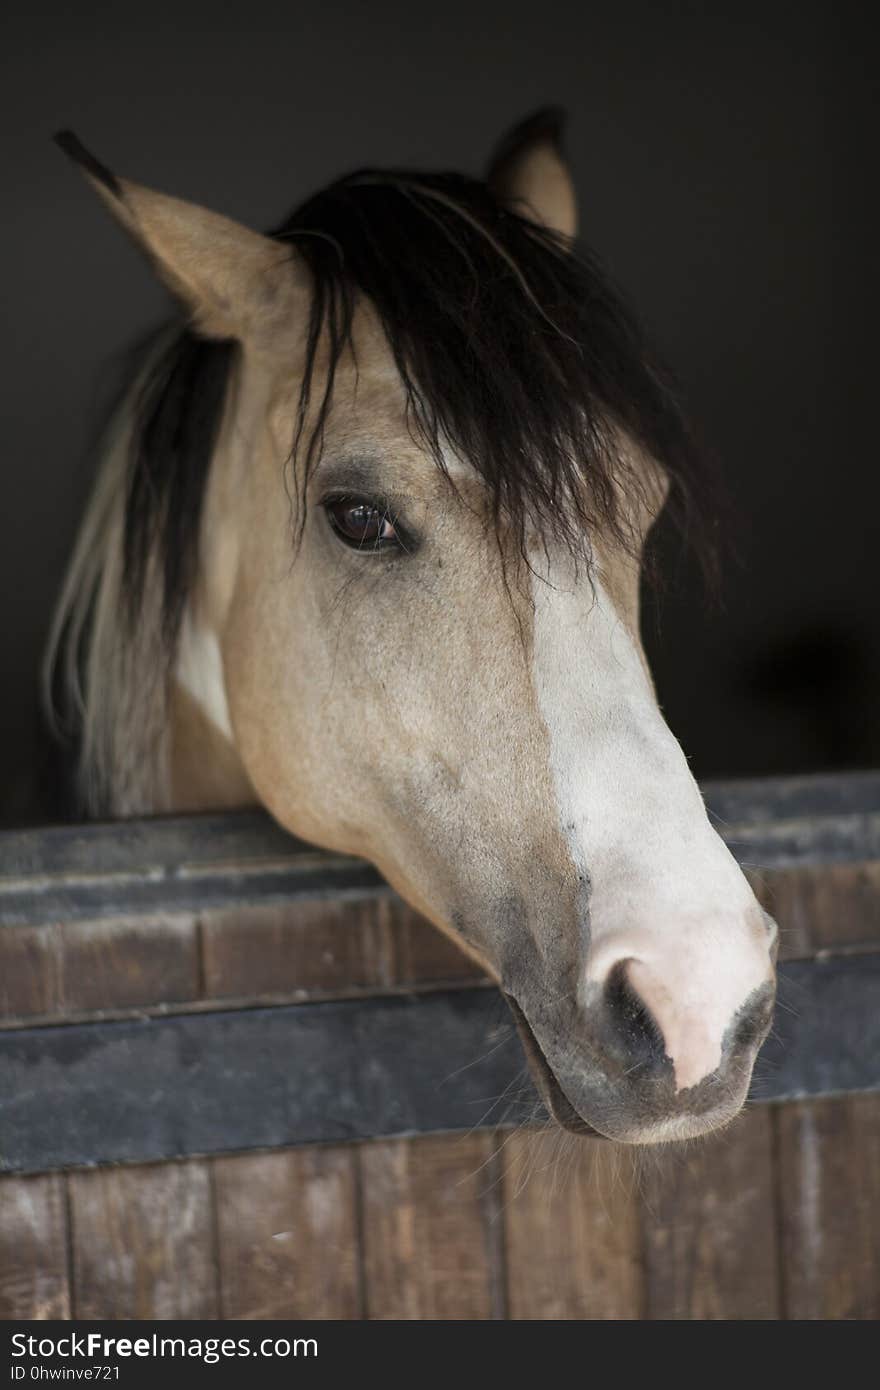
(362, 523)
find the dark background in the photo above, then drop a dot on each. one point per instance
(723, 156)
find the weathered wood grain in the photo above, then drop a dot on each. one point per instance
(143, 1242)
(30, 972)
(571, 1215)
(173, 844)
(429, 1228)
(425, 955)
(709, 1226)
(831, 907)
(211, 1083)
(829, 1193)
(287, 1234)
(119, 965)
(33, 1249)
(308, 947)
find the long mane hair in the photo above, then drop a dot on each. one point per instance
(515, 351)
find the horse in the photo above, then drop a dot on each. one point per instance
(365, 548)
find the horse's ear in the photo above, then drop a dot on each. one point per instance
(529, 171)
(235, 282)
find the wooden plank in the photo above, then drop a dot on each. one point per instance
(220, 1082)
(30, 975)
(423, 954)
(33, 1249)
(139, 1090)
(150, 894)
(571, 1217)
(829, 1186)
(177, 864)
(143, 1242)
(826, 1030)
(301, 948)
(165, 865)
(709, 1226)
(320, 946)
(287, 1237)
(430, 1239)
(816, 796)
(307, 949)
(175, 844)
(824, 908)
(316, 947)
(119, 965)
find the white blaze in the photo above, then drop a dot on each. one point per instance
(667, 896)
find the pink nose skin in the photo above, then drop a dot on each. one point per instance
(692, 1007)
(690, 1041)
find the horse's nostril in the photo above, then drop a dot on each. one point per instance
(628, 1019)
(652, 1023)
(753, 1020)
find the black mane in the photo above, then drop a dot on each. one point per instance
(511, 348)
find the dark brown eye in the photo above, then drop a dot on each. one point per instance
(362, 523)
